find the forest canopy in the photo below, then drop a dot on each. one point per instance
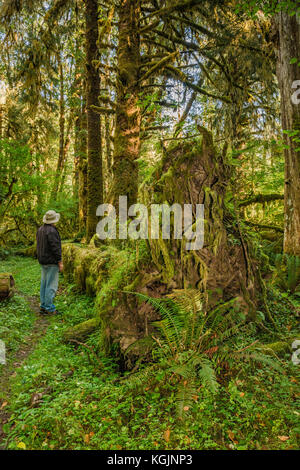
(190, 65)
(173, 104)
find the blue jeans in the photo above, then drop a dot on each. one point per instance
(49, 285)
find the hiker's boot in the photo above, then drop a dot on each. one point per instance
(43, 311)
(50, 312)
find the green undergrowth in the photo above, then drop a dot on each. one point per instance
(16, 321)
(68, 396)
(16, 317)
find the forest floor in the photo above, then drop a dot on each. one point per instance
(60, 396)
(26, 347)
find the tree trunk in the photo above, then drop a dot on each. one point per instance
(77, 124)
(94, 173)
(288, 74)
(1, 119)
(65, 153)
(82, 171)
(61, 131)
(107, 125)
(128, 113)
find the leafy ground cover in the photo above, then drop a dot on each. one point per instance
(70, 396)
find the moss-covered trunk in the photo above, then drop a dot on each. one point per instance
(82, 170)
(77, 124)
(288, 77)
(94, 173)
(222, 270)
(128, 114)
(60, 160)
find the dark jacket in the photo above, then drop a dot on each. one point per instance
(48, 245)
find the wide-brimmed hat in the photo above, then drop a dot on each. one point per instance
(51, 217)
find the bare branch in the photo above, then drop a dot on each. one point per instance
(184, 79)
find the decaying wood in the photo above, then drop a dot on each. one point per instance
(7, 284)
(80, 331)
(221, 271)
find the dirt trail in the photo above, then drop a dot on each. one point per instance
(38, 330)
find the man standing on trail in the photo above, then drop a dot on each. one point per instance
(49, 256)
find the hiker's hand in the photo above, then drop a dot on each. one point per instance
(60, 267)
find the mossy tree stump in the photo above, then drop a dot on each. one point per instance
(222, 270)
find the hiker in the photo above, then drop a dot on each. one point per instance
(49, 256)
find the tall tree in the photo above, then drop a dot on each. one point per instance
(60, 159)
(288, 73)
(128, 112)
(94, 173)
(82, 168)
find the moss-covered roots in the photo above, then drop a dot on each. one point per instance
(222, 270)
(104, 272)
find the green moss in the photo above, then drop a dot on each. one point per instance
(28, 251)
(84, 265)
(90, 285)
(278, 348)
(81, 330)
(105, 272)
(120, 270)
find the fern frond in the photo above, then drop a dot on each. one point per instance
(146, 376)
(189, 300)
(167, 336)
(187, 370)
(256, 356)
(184, 397)
(147, 342)
(208, 376)
(164, 307)
(191, 345)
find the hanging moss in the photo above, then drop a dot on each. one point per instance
(221, 270)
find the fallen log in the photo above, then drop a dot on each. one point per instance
(261, 199)
(29, 251)
(7, 283)
(279, 348)
(263, 226)
(81, 330)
